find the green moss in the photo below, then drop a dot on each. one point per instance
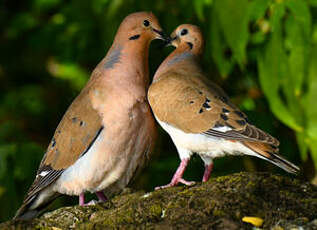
(218, 212)
(156, 210)
(223, 200)
(186, 193)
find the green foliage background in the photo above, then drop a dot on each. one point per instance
(262, 52)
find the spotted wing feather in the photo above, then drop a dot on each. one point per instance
(76, 132)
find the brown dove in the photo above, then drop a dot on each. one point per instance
(198, 115)
(108, 132)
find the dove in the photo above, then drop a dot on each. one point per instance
(108, 131)
(198, 115)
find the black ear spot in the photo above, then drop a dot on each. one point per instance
(135, 37)
(190, 45)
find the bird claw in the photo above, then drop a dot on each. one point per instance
(174, 183)
(91, 203)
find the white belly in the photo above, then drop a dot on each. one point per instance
(110, 163)
(205, 146)
(88, 172)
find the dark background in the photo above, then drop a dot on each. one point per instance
(262, 52)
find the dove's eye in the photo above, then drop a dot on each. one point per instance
(146, 23)
(184, 32)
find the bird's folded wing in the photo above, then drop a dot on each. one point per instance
(194, 105)
(75, 134)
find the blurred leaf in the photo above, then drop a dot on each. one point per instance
(200, 6)
(302, 15)
(302, 144)
(218, 48)
(247, 104)
(258, 8)
(313, 2)
(233, 19)
(68, 71)
(310, 102)
(42, 5)
(277, 13)
(272, 70)
(6, 150)
(27, 99)
(21, 23)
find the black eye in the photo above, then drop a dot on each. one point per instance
(184, 32)
(146, 23)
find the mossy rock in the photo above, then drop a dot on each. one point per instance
(221, 203)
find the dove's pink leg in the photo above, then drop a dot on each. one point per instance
(208, 170)
(82, 199)
(178, 176)
(101, 196)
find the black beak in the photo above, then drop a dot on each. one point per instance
(169, 40)
(164, 36)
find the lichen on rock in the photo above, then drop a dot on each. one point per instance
(221, 203)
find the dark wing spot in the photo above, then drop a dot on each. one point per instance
(223, 116)
(191, 102)
(206, 105)
(207, 100)
(241, 122)
(135, 37)
(201, 110)
(74, 119)
(200, 92)
(224, 110)
(240, 114)
(82, 123)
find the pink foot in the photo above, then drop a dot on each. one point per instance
(178, 176)
(100, 195)
(208, 170)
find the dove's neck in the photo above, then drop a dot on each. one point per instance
(127, 63)
(179, 61)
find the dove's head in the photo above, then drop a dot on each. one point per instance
(140, 26)
(188, 36)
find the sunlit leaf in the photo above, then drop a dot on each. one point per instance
(272, 70)
(310, 103)
(277, 11)
(302, 15)
(218, 48)
(68, 71)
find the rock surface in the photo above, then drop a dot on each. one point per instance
(221, 203)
